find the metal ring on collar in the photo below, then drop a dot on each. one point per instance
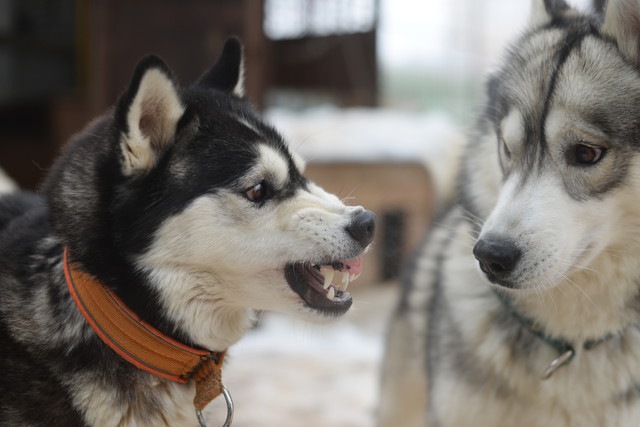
(229, 401)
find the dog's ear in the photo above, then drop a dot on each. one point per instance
(545, 11)
(147, 115)
(622, 22)
(227, 74)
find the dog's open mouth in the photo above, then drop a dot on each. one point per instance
(323, 287)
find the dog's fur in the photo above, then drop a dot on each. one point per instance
(194, 212)
(543, 244)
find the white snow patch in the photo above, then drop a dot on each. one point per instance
(290, 373)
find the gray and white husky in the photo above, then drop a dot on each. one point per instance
(193, 212)
(523, 306)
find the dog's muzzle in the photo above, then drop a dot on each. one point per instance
(322, 284)
(498, 258)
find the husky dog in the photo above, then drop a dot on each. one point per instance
(523, 305)
(193, 212)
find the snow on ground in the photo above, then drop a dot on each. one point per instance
(288, 373)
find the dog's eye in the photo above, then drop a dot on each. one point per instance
(504, 155)
(505, 149)
(587, 155)
(258, 192)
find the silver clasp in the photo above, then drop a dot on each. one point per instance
(229, 401)
(558, 363)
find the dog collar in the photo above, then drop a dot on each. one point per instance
(141, 344)
(563, 347)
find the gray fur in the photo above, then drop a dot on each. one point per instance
(552, 169)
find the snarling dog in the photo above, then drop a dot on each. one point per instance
(523, 306)
(160, 228)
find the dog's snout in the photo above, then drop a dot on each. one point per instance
(363, 227)
(498, 257)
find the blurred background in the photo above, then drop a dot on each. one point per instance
(376, 94)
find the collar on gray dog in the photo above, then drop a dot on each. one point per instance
(564, 348)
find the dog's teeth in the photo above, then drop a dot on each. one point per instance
(345, 278)
(328, 276)
(331, 294)
(355, 276)
(345, 281)
(343, 285)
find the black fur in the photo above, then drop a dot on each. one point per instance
(555, 8)
(226, 73)
(107, 218)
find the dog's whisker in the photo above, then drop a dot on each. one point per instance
(577, 266)
(581, 291)
(349, 195)
(474, 219)
(539, 293)
(459, 233)
(347, 199)
(549, 293)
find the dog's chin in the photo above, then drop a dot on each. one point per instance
(318, 293)
(512, 287)
(500, 283)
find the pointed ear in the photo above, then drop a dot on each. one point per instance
(147, 115)
(227, 74)
(622, 22)
(545, 11)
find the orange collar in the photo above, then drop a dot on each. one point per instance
(140, 343)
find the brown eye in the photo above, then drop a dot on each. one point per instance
(587, 155)
(257, 193)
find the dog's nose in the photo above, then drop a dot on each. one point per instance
(497, 256)
(363, 227)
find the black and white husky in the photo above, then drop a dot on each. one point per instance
(193, 212)
(523, 306)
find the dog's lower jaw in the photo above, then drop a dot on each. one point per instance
(305, 280)
(499, 284)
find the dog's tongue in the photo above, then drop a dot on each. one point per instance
(353, 265)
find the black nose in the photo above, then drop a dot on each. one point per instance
(497, 256)
(363, 227)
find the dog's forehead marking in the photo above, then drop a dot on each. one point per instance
(594, 79)
(551, 53)
(529, 66)
(273, 163)
(246, 122)
(557, 122)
